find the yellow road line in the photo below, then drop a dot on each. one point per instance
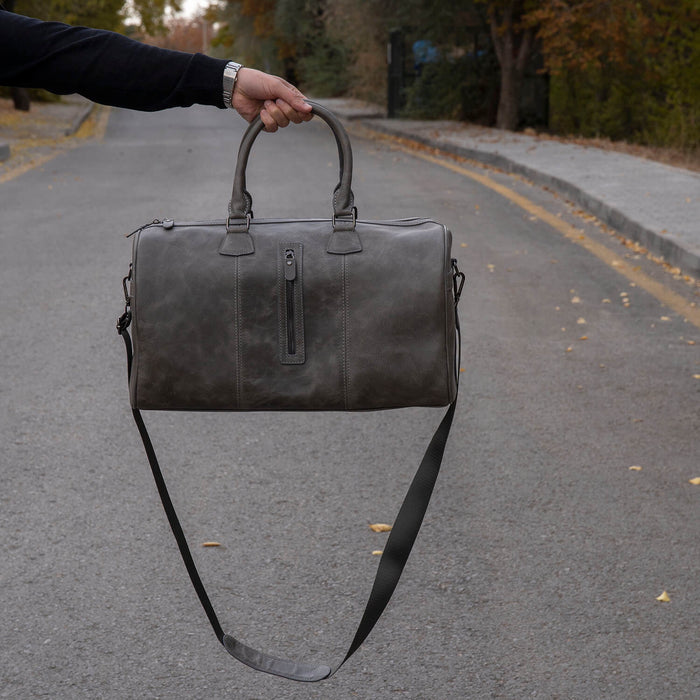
(29, 165)
(656, 289)
(92, 128)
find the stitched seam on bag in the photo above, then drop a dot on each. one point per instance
(345, 331)
(237, 314)
(451, 361)
(135, 356)
(281, 291)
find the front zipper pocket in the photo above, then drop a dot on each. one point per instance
(291, 305)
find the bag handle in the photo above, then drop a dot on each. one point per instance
(391, 565)
(240, 208)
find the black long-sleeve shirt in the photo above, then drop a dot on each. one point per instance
(104, 66)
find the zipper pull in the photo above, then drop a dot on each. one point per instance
(141, 228)
(290, 265)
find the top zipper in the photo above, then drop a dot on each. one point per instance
(170, 223)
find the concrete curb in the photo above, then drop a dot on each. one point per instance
(4, 151)
(669, 249)
(85, 112)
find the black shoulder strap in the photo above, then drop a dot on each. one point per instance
(391, 564)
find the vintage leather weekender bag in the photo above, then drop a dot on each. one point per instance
(275, 314)
(245, 314)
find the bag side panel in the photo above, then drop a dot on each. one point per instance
(185, 325)
(398, 348)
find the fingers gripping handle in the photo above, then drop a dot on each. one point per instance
(240, 206)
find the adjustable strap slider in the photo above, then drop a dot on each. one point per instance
(124, 321)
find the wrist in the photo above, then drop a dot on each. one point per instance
(229, 82)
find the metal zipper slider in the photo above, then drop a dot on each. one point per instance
(290, 265)
(141, 228)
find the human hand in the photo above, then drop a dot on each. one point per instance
(277, 101)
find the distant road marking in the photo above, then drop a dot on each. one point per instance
(92, 128)
(656, 289)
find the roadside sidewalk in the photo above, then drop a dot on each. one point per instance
(655, 204)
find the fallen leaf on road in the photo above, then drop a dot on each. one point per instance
(695, 481)
(606, 301)
(664, 318)
(569, 349)
(491, 267)
(575, 300)
(583, 337)
(664, 598)
(635, 469)
(211, 544)
(690, 342)
(696, 376)
(380, 527)
(378, 552)
(581, 321)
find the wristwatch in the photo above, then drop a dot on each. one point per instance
(230, 75)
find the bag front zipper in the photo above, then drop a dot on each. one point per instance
(290, 305)
(290, 276)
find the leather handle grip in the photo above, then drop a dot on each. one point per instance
(241, 204)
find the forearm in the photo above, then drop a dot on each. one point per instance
(105, 67)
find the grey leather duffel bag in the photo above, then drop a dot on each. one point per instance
(247, 314)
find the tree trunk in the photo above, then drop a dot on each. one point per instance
(508, 115)
(21, 99)
(513, 45)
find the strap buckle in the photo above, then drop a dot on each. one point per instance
(458, 280)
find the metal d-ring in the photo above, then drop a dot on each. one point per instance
(230, 219)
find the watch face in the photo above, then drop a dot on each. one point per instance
(230, 75)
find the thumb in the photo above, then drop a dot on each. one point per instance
(293, 97)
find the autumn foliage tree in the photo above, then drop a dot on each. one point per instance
(625, 69)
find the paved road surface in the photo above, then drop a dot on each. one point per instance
(538, 567)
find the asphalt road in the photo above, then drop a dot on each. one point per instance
(538, 567)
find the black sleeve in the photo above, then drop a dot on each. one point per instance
(104, 66)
